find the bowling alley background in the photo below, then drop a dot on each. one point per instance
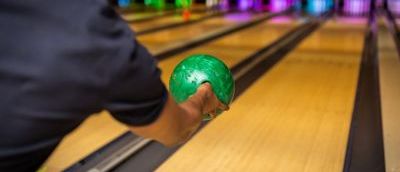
(350, 7)
(316, 88)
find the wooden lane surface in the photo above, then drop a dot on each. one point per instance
(136, 16)
(176, 18)
(98, 130)
(389, 75)
(158, 40)
(232, 48)
(294, 118)
(91, 135)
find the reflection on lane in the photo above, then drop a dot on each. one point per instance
(158, 40)
(130, 17)
(389, 70)
(141, 14)
(176, 18)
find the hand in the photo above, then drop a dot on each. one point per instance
(178, 122)
(206, 101)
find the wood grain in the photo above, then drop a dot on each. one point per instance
(177, 18)
(95, 132)
(160, 39)
(134, 15)
(389, 74)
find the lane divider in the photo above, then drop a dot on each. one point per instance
(365, 149)
(393, 28)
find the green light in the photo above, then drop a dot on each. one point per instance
(157, 4)
(183, 3)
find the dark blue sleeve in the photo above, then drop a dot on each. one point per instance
(137, 94)
(61, 61)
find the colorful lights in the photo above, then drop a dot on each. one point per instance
(315, 7)
(357, 7)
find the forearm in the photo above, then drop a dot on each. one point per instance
(175, 124)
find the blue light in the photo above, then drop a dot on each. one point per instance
(124, 3)
(319, 6)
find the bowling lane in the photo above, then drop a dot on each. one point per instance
(135, 15)
(98, 130)
(296, 117)
(233, 48)
(91, 135)
(173, 19)
(142, 15)
(389, 72)
(157, 41)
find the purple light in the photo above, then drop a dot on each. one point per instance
(245, 4)
(394, 6)
(280, 5)
(356, 7)
(258, 4)
(224, 4)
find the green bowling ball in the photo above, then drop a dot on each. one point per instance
(195, 70)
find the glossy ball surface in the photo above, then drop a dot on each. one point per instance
(195, 70)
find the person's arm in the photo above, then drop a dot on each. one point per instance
(138, 98)
(176, 123)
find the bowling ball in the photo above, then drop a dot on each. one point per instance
(195, 70)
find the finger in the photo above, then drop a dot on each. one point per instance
(212, 115)
(223, 107)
